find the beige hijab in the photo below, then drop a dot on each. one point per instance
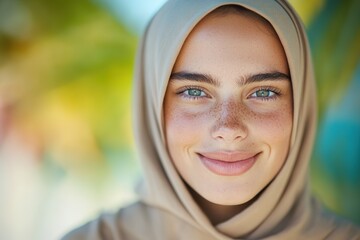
(284, 210)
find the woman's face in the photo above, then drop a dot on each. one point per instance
(228, 108)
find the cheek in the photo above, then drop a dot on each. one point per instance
(275, 128)
(183, 128)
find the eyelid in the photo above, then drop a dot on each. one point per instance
(185, 88)
(276, 91)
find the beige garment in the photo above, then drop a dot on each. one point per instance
(284, 210)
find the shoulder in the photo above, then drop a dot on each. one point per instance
(110, 225)
(341, 228)
(137, 221)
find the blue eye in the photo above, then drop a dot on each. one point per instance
(264, 94)
(194, 93)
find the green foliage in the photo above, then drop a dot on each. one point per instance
(76, 58)
(334, 37)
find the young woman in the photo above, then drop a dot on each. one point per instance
(225, 122)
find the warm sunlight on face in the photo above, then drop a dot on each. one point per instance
(228, 109)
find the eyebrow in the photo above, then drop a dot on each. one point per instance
(199, 77)
(205, 78)
(266, 77)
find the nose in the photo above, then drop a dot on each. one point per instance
(229, 125)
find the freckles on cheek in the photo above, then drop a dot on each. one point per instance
(183, 126)
(276, 125)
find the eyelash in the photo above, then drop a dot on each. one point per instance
(276, 92)
(187, 88)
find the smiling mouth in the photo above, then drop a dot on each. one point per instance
(228, 163)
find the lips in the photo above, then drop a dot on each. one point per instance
(228, 163)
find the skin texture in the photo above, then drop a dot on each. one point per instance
(214, 103)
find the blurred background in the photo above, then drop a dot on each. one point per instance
(66, 146)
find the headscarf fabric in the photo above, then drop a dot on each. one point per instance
(285, 207)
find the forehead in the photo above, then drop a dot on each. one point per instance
(245, 13)
(231, 41)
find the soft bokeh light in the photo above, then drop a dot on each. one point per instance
(66, 144)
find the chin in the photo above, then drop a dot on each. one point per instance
(227, 197)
